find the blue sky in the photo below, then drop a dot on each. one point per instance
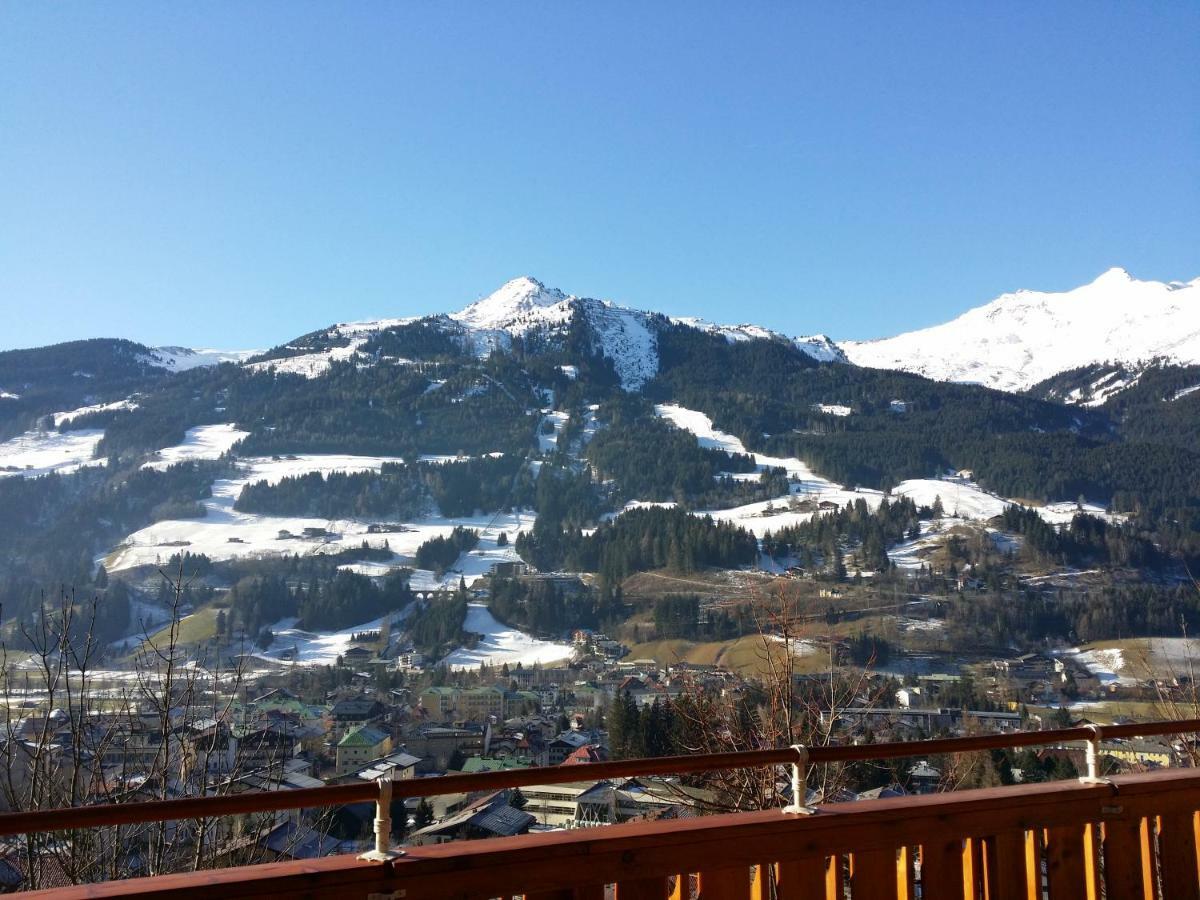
(233, 175)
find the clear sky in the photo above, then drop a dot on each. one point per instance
(233, 175)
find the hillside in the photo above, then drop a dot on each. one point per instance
(349, 470)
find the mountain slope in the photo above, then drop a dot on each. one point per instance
(1023, 338)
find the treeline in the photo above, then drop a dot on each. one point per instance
(393, 492)
(437, 627)
(651, 459)
(52, 528)
(1103, 613)
(397, 490)
(67, 376)
(640, 540)
(383, 410)
(1017, 446)
(870, 532)
(541, 606)
(680, 616)
(329, 604)
(425, 339)
(440, 553)
(1087, 540)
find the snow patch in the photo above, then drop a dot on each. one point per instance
(500, 644)
(201, 442)
(37, 453)
(181, 359)
(62, 418)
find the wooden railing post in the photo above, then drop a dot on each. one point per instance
(383, 824)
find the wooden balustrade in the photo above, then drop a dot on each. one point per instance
(1133, 836)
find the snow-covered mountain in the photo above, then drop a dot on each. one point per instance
(525, 304)
(818, 346)
(1022, 338)
(180, 359)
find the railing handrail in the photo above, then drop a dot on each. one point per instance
(79, 817)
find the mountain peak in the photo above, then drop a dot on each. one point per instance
(1116, 275)
(520, 302)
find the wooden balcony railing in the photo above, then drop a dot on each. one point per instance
(1133, 836)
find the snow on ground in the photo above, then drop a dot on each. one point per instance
(806, 480)
(315, 648)
(548, 443)
(180, 359)
(834, 409)
(500, 644)
(42, 452)
(1022, 338)
(202, 442)
(8, 395)
(1103, 388)
(225, 533)
(61, 418)
(473, 565)
(1063, 513)
(1105, 664)
(310, 365)
(911, 555)
(626, 339)
(800, 646)
(571, 372)
(1176, 396)
(438, 459)
(960, 498)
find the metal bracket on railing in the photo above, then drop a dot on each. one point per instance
(799, 784)
(1093, 758)
(383, 824)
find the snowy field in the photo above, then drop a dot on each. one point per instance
(61, 418)
(911, 555)
(202, 442)
(548, 443)
(312, 648)
(500, 644)
(960, 499)
(42, 452)
(1108, 665)
(1063, 513)
(310, 365)
(225, 533)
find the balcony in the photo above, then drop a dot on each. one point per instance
(1132, 836)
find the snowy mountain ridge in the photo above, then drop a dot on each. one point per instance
(1022, 338)
(1010, 343)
